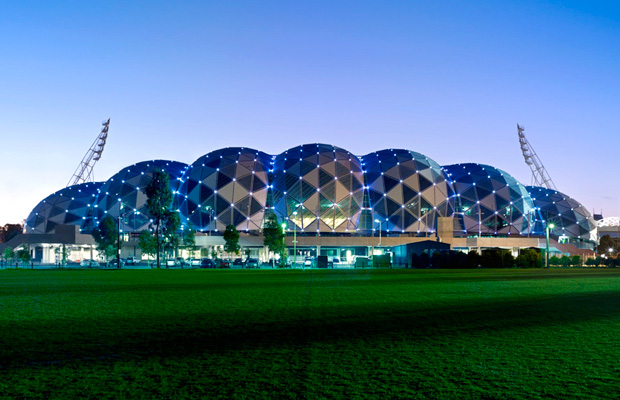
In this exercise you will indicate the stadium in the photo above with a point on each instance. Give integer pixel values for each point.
(331, 201)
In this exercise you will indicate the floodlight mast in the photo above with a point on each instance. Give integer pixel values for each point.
(84, 172)
(540, 176)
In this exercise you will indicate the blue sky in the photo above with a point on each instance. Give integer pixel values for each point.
(179, 79)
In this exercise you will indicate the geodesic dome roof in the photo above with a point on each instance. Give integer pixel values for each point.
(226, 186)
(407, 191)
(68, 206)
(318, 187)
(490, 201)
(569, 217)
(127, 187)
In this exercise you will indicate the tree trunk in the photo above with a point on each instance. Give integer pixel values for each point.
(157, 236)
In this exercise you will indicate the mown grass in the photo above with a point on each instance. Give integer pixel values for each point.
(310, 334)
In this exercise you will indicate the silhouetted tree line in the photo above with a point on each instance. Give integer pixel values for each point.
(493, 258)
(9, 231)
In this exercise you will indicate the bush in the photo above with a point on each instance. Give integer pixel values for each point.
(529, 258)
(474, 260)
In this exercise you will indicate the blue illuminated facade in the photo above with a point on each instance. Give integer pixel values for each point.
(490, 201)
(68, 206)
(321, 189)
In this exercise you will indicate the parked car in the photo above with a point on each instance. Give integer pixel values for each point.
(308, 261)
(223, 263)
(180, 261)
(207, 263)
(251, 263)
(194, 262)
(171, 262)
(89, 263)
(113, 263)
(131, 261)
(238, 261)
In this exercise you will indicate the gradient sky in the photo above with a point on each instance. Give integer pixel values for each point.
(179, 79)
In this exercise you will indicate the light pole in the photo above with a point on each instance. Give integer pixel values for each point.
(547, 227)
(379, 232)
(118, 242)
(294, 240)
(284, 231)
(210, 218)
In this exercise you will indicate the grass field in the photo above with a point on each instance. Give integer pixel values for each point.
(310, 334)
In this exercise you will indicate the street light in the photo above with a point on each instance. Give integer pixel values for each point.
(210, 218)
(295, 240)
(379, 222)
(547, 227)
(121, 215)
(284, 231)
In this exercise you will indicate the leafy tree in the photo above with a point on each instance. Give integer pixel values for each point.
(554, 260)
(158, 204)
(8, 254)
(231, 236)
(575, 261)
(605, 244)
(23, 255)
(189, 240)
(147, 243)
(106, 236)
(170, 233)
(274, 236)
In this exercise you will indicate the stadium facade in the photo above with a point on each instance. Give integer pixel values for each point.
(330, 200)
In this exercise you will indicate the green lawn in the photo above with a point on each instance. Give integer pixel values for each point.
(310, 334)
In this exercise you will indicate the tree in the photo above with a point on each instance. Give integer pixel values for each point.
(106, 236)
(8, 254)
(147, 243)
(605, 244)
(189, 240)
(231, 236)
(23, 255)
(158, 204)
(170, 235)
(273, 237)
(9, 231)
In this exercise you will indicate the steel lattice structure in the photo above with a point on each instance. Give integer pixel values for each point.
(84, 171)
(540, 176)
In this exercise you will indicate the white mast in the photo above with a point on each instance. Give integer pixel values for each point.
(540, 176)
(84, 172)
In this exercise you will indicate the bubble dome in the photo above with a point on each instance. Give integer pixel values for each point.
(407, 191)
(318, 187)
(226, 186)
(490, 201)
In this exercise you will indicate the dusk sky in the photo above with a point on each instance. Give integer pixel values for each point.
(179, 79)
